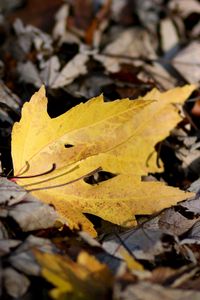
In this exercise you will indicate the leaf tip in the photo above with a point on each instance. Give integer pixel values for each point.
(39, 97)
(42, 91)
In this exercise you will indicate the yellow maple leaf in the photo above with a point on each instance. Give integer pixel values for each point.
(85, 279)
(117, 136)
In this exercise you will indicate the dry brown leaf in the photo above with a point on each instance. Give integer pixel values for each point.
(169, 35)
(185, 7)
(133, 43)
(149, 291)
(25, 209)
(16, 284)
(187, 62)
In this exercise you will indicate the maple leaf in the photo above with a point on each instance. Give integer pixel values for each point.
(85, 279)
(118, 136)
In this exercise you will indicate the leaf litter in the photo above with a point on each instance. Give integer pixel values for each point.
(160, 254)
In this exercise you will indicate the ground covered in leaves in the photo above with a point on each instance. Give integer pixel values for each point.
(79, 50)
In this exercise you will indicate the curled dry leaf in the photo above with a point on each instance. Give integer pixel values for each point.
(117, 136)
(24, 208)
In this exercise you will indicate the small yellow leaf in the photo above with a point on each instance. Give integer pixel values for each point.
(118, 136)
(131, 262)
(86, 279)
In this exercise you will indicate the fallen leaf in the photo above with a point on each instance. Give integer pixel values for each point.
(169, 35)
(29, 73)
(187, 62)
(173, 222)
(148, 12)
(185, 7)
(149, 291)
(6, 246)
(194, 233)
(9, 98)
(9, 109)
(50, 70)
(131, 43)
(175, 278)
(61, 32)
(74, 68)
(91, 135)
(143, 242)
(195, 186)
(157, 72)
(31, 36)
(146, 241)
(23, 258)
(85, 279)
(25, 209)
(16, 284)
